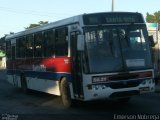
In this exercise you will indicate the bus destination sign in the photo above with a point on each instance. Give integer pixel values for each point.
(112, 18)
(126, 19)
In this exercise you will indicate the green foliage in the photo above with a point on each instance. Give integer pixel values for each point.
(2, 45)
(37, 24)
(153, 18)
(2, 53)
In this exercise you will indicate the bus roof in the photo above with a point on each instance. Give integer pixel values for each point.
(67, 21)
(48, 26)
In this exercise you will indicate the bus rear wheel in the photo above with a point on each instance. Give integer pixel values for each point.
(24, 84)
(65, 93)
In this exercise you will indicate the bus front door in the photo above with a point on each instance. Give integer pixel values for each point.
(15, 80)
(76, 67)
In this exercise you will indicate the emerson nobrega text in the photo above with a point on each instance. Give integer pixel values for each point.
(136, 117)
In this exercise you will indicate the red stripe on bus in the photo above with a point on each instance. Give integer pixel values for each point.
(61, 64)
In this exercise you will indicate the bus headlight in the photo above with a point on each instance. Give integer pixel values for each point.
(144, 82)
(148, 81)
(103, 86)
(96, 87)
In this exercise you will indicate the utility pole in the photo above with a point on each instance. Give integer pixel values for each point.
(112, 5)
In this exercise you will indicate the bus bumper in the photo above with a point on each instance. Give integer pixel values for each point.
(120, 89)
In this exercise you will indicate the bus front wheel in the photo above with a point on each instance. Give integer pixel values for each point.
(65, 93)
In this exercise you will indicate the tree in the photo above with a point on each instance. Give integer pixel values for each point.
(37, 24)
(2, 44)
(153, 18)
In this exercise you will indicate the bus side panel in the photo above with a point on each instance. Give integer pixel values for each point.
(10, 79)
(43, 85)
(13, 77)
(42, 74)
(61, 64)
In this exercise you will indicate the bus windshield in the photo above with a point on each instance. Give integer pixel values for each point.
(117, 48)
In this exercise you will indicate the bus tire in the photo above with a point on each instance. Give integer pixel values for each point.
(65, 93)
(24, 84)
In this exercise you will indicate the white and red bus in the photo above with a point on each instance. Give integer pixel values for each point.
(85, 57)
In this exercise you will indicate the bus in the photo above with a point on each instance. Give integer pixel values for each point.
(85, 57)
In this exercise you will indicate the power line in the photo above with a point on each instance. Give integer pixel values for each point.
(31, 12)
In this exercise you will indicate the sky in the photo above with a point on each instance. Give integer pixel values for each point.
(15, 15)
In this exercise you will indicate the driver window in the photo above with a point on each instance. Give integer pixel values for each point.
(136, 39)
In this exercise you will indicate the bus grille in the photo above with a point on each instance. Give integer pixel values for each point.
(124, 84)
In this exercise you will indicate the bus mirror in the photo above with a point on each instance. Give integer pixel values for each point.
(80, 43)
(151, 40)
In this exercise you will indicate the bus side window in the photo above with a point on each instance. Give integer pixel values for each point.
(20, 47)
(49, 39)
(29, 46)
(61, 42)
(38, 45)
(8, 49)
